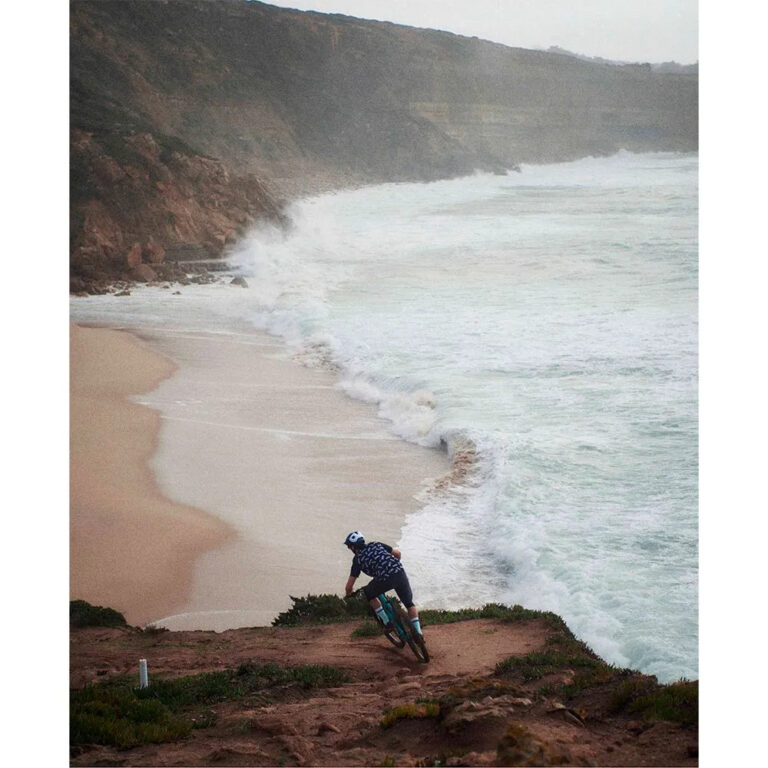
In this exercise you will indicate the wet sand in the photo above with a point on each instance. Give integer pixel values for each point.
(268, 448)
(131, 548)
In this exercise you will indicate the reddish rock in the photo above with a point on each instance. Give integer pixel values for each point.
(154, 253)
(143, 273)
(133, 257)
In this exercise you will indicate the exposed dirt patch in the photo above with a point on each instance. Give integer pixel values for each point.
(476, 718)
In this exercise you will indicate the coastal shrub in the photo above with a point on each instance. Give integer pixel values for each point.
(676, 702)
(208, 688)
(415, 711)
(630, 690)
(83, 614)
(327, 609)
(123, 716)
(152, 630)
(367, 629)
(492, 611)
(538, 664)
(115, 716)
(322, 609)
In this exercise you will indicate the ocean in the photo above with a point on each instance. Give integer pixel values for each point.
(539, 326)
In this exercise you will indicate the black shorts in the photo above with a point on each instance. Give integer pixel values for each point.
(399, 582)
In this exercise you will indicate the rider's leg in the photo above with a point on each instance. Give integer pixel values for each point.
(413, 615)
(403, 589)
(375, 603)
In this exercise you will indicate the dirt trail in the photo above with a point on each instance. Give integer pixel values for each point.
(343, 726)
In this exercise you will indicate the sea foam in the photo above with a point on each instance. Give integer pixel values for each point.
(541, 327)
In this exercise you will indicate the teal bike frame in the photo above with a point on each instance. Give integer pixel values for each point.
(394, 619)
(407, 635)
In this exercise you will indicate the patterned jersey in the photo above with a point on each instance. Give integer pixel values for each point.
(376, 560)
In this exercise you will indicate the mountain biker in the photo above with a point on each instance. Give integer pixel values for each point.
(382, 563)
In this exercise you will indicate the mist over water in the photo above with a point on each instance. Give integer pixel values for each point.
(545, 324)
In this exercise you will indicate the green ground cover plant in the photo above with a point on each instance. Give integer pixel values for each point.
(327, 609)
(492, 611)
(119, 715)
(418, 710)
(563, 651)
(642, 695)
(115, 716)
(367, 629)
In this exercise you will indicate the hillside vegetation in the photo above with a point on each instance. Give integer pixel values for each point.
(193, 119)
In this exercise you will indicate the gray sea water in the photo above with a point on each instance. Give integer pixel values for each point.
(543, 323)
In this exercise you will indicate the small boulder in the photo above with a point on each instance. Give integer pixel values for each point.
(239, 281)
(143, 273)
(154, 253)
(133, 257)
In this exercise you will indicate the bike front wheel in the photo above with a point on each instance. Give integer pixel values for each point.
(394, 638)
(392, 635)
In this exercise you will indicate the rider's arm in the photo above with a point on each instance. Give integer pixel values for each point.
(350, 585)
(396, 553)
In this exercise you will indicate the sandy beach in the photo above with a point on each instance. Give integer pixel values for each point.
(213, 477)
(130, 547)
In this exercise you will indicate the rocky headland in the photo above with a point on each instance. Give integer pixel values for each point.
(193, 119)
(504, 686)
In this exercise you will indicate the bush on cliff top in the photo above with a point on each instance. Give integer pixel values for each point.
(83, 614)
(116, 716)
(327, 609)
(677, 702)
(122, 716)
(322, 609)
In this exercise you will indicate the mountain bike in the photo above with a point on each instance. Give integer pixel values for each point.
(403, 632)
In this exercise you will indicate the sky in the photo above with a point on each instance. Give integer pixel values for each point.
(624, 30)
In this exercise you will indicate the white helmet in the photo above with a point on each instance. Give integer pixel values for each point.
(355, 539)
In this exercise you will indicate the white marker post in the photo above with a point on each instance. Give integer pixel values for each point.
(143, 674)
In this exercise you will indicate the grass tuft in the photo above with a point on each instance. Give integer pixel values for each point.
(677, 702)
(564, 651)
(367, 629)
(417, 711)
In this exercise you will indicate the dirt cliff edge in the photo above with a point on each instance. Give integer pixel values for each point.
(501, 691)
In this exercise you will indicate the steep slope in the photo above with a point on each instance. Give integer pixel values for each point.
(189, 117)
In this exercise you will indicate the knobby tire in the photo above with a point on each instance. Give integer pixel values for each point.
(394, 638)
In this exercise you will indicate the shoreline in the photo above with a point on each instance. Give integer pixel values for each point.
(131, 548)
(276, 456)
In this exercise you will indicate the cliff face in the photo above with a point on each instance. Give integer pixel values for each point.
(189, 116)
